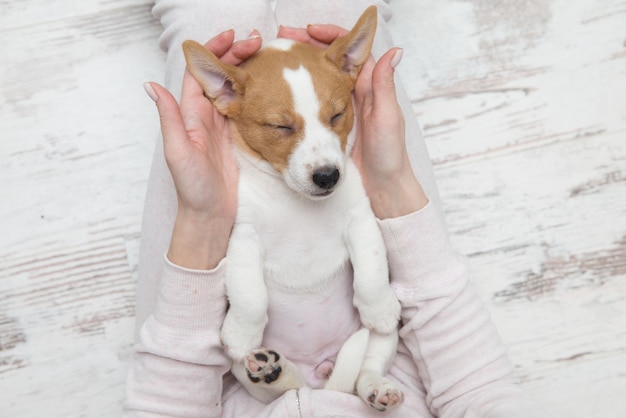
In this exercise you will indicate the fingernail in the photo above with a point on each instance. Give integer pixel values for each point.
(397, 57)
(285, 28)
(255, 34)
(148, 88)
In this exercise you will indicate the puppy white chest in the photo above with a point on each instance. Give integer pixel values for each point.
(302, 242)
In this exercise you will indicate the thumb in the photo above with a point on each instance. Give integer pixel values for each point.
(383, 85)
(172, 124)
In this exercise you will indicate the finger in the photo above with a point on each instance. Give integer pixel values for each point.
(192, 93)
(363, 102)
(363, 88)
(221, 42)
(171, 120)
(240, 51)
(300, 35)
(383, 85)
(297, 34)
(244, 49)
(326, 33)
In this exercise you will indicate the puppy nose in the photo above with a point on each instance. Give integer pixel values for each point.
(326, 177)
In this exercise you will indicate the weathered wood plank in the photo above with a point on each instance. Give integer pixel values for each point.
(77, 135)
(523, 110)
(515, 75)
(16, 14)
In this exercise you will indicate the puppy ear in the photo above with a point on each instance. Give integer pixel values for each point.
(351, 51)
(223, 84)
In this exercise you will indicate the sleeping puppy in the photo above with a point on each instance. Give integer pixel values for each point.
(305, 240)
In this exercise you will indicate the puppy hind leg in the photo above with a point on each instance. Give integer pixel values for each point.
(266, 375)
(372, 386)
(349, 362)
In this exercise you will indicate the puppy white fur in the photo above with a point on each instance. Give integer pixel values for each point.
(304, 219)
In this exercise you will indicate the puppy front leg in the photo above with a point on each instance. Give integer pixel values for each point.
(377, 304)
(372, 386)
(246, 318)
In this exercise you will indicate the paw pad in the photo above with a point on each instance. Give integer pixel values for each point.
(263, 365)
(381, 401)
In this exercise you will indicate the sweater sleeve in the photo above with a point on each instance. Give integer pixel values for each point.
(178, 363)
(460, 356)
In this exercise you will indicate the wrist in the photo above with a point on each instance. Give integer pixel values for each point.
(399, 197)
(199, 240)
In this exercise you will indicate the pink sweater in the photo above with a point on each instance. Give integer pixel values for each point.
(450, 363)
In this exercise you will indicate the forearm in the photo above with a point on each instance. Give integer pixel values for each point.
(458, 351)
(398, 197)
(199, 241)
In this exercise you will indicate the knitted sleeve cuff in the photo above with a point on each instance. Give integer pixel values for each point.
(421, 258)
(191, 300)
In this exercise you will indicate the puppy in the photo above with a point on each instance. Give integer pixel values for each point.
(305, 238)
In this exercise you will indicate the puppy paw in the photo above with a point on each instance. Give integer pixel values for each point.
(263, 366)
(266, 375)
(379, 392)
(380, 314)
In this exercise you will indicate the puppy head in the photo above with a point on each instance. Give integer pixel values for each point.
(291, 103)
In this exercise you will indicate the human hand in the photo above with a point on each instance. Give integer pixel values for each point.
(379, 150)
(198, 151)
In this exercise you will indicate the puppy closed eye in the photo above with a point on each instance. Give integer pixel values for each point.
(282, 129)
(336, 118)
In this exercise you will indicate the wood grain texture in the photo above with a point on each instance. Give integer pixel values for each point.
(523, 105)
(74, 164)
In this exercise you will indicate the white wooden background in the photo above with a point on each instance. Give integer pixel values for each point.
(523, 103)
